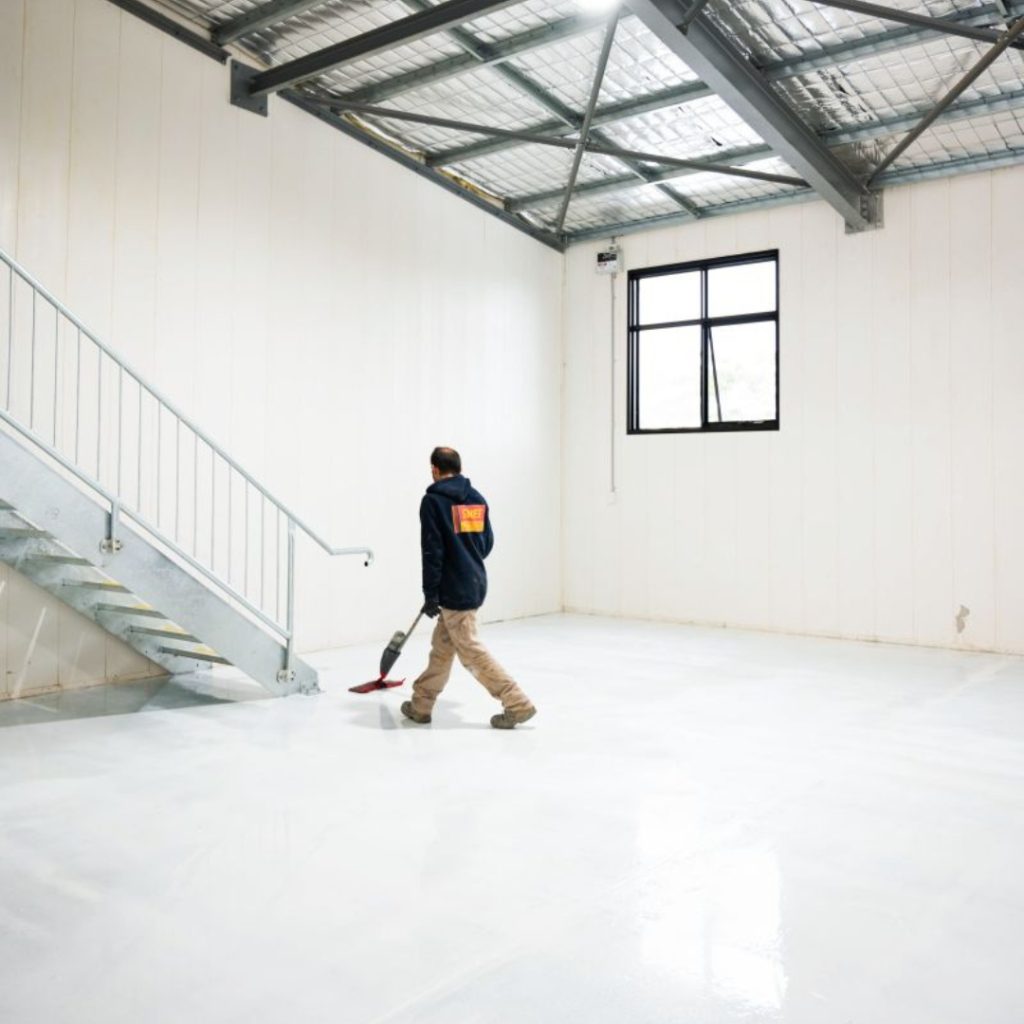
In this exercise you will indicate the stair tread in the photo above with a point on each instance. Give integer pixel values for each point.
(109, 588)
(198, 655)
(169, 634)
(127, 609)
(59, 559)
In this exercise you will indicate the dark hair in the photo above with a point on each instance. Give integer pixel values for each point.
(447, 460)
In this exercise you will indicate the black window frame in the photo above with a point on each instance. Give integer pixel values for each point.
(707, 325)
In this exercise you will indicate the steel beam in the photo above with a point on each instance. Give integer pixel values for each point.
(984, 35)
(588, 116)
(490, 54)
(597, 148)
(738, 83)
(965, 82)
(387, 37)
(260, 17)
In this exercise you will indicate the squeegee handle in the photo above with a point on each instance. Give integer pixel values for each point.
(408, 632)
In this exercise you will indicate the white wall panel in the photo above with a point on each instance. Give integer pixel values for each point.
(971, 373)
(325, 315)
(1007, 409)
(12, 33)
(892, 494)
(930, 411)
(891, 419)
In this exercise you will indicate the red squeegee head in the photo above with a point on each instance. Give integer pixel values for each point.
(376, 684)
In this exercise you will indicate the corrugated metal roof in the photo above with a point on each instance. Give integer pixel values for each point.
(858, 81)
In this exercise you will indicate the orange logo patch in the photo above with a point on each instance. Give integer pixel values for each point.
(469, 518)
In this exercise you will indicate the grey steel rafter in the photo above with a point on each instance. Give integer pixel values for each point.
(487, 55)
(708, 53)
(979, 68)
(387, 37)
(600, 149)
(588, 116)
(568, 117)
(262, 16)
(873, 45)
(984, 35)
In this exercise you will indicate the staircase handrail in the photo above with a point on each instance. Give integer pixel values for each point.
(176, 412)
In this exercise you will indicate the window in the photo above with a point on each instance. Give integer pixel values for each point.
(704, 345)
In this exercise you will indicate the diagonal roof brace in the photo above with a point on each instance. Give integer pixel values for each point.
(588, 116)
(707, 53)
(263, 16)
(947, 25)
(600, 148)
(387, 37)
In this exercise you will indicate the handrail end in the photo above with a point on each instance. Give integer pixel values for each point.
(367, 553)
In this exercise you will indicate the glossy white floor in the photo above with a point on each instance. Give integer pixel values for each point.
(699, 826)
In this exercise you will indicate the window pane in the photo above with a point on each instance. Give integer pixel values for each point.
(744, 357)
(744, 288)
(669, 298)
(669, 378)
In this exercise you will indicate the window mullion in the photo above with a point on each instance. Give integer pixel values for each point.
(714, 373)
(703, 348)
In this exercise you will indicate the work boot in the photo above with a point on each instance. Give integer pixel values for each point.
(416, 716)
(510, 719)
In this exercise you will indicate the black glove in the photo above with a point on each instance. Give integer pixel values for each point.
(431, 609)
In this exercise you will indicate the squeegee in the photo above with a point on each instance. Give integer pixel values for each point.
(387, 661)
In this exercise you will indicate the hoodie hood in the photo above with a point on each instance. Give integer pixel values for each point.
(456, 488)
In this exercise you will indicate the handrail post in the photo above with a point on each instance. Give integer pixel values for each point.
(110, 545)
(287, 674)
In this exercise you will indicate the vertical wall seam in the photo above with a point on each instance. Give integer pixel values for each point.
(70, 151)
(20, 157)
(994, 576)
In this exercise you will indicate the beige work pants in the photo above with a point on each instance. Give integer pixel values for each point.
(455, 634)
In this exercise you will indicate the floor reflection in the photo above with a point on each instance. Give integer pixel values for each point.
(128, 698)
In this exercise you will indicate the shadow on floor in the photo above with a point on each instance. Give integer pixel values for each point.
(384, 714)
(127, 698)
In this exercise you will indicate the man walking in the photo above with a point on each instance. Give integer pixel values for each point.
(456, 537)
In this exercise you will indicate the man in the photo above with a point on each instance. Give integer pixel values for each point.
(456, 537)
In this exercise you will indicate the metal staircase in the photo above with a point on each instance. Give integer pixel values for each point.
(116, 503)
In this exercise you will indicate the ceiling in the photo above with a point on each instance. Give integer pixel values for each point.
(786, 98)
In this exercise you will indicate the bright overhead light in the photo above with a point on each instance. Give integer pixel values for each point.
(597, 6)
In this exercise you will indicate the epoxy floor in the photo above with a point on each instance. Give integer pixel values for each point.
(699, 826)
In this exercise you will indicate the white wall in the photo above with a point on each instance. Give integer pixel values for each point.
(323, 313)
(893, 492)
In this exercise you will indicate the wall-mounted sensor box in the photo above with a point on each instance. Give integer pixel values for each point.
(609, 261)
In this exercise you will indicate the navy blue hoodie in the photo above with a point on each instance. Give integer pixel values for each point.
(456, 537)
